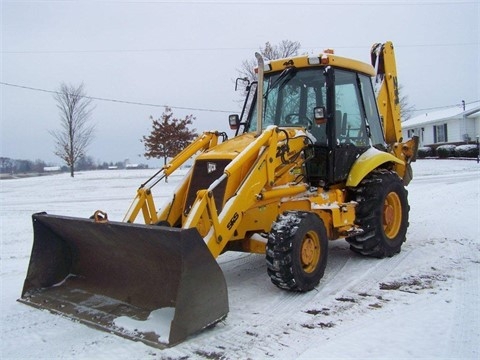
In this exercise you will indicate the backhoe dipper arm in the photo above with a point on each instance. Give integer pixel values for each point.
(144, 200)
(388, 101)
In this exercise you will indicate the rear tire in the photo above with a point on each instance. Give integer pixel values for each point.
(297, 251)
(382, 213)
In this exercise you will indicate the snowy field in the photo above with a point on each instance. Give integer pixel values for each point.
(422, 303)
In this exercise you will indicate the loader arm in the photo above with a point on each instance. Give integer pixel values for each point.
(260, 180)
(143, 201)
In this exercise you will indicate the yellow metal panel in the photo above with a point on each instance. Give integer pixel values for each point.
(350, 64)
(367, 162)
(327, 59)
(256, 246)
(229, 149)
(343, 215)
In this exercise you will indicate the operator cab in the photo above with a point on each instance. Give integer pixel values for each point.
(336, 106)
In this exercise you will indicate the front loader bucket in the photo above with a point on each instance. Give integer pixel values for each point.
(153, 284)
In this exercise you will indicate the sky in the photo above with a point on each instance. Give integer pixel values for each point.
(142, 55)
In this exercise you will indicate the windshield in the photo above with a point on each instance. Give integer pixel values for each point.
(290, 97)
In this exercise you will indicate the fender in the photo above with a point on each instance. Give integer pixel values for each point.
(367, 162)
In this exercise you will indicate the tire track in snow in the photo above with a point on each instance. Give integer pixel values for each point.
(247, 275)
(285, 309)
(352, 290)
(461, 262)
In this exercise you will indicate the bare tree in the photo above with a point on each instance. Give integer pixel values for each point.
(406, 109)
(284, 49)
(75, 134)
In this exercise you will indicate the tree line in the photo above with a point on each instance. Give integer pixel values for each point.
(21, 166)
(15, 166)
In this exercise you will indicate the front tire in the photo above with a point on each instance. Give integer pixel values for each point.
(382, 214)
(297, 251)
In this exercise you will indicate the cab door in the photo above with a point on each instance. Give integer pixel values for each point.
(349, 133)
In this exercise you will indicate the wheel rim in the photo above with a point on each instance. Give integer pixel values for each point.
(392, 215)
(310, 255)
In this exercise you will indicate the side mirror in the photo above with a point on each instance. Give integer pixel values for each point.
(319, 114)
(233, 121)
(243, 80)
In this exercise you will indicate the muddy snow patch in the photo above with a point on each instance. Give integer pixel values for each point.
(414, 284)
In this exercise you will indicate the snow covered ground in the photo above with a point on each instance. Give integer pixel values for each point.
(422, 303)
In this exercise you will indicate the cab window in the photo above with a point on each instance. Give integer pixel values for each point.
(350, 125)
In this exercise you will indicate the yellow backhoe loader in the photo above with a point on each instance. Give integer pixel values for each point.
(317, 155)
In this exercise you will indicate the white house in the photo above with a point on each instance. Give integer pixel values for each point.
(455, 125)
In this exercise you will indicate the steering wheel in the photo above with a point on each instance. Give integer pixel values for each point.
(301, 120)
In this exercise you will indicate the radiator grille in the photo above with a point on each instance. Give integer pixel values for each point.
(205, 172)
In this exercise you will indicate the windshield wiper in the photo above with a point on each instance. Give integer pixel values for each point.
(285, 75)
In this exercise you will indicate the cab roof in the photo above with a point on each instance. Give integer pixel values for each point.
(323, 59)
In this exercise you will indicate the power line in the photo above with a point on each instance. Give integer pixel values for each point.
(188, 108)
(446, 106)
(120, 101)
(95, 51)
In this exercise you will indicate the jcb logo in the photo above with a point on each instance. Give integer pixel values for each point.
(211, 167)
(232, 221)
